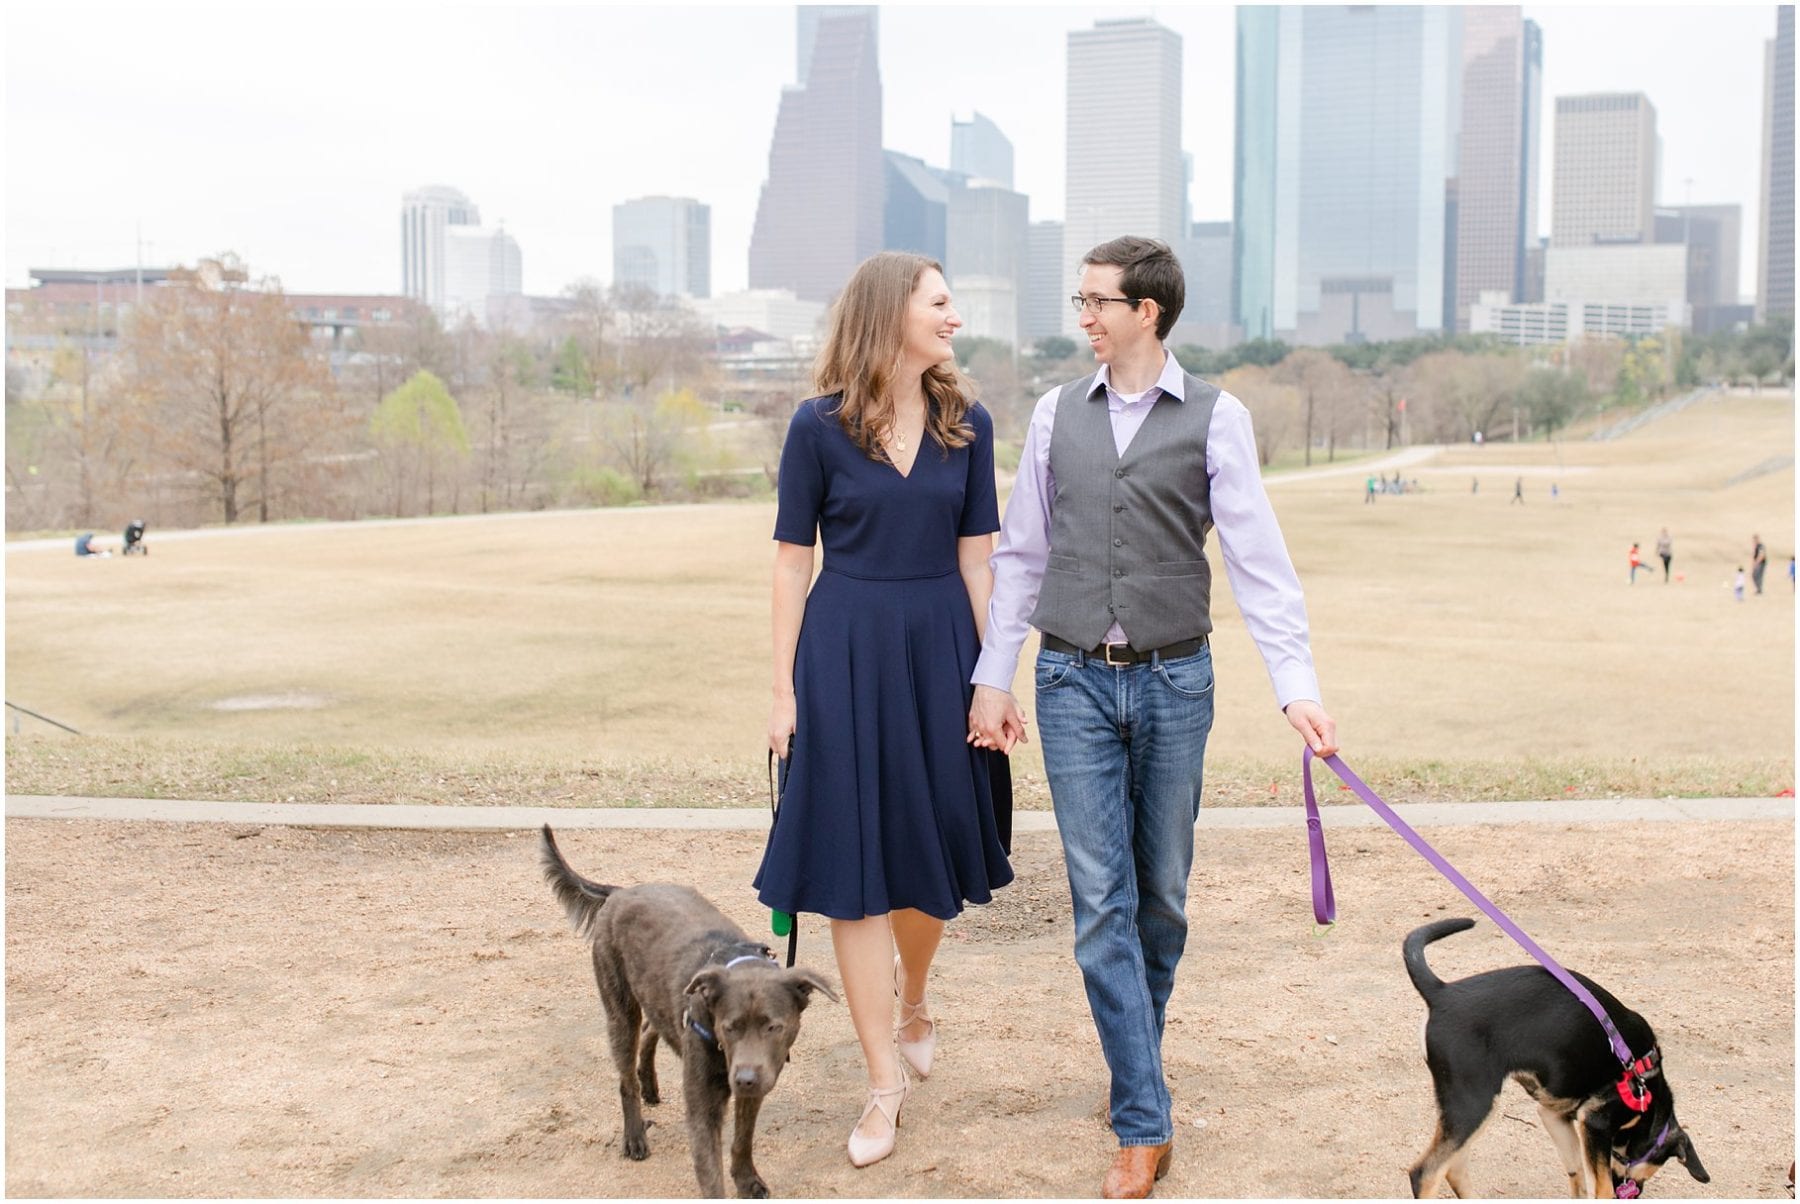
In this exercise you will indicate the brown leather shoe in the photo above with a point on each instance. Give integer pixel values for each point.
(1135, 1170)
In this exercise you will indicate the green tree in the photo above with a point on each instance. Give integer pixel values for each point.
(1552, 397)
(1641, 371)
(570, 373)
(415, 426)
(1053, 347)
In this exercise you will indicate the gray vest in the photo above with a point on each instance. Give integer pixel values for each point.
(1128, 535)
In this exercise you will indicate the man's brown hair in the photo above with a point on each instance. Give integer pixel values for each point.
(1151, 272)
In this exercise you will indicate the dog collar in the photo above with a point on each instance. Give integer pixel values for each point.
(764, 956)
(704, 1033)
(1633, 1085)
(1628, 1188)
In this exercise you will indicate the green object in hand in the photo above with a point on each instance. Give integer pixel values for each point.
(782, 922)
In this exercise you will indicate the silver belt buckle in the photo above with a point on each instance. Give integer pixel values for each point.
(1109, 655)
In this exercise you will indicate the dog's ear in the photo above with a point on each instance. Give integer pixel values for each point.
(706, 987)
(804, 982)
(1684, 1150)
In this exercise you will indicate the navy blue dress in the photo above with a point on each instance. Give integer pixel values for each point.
(886, 806)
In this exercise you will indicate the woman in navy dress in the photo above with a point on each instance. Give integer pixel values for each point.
(886, 823)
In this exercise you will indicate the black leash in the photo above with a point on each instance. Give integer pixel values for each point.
(782, 923)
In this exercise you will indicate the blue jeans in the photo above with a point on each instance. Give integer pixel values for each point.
(1123, 751)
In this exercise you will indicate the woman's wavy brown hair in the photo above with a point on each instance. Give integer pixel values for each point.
(861, 357)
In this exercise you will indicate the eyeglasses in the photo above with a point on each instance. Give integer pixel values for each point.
(1094, 305)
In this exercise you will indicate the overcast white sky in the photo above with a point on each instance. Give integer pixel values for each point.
(288, 133)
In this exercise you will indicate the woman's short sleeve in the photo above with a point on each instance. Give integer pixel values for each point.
(800, 489)
(981, 504)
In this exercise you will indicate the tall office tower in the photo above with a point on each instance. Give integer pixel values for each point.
(986, 250)
(980, 151)
(915, 205)
(1604, 189)
(1122, 141)
(1341, 224)
(1531, 136)
(480, 267)
(425, 213)
(1775, 241)
(663, 243)
(820, 213)
(1493, 158)
(1042, 307)
(806, 31)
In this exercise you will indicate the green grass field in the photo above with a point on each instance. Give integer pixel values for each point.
(1469, 647)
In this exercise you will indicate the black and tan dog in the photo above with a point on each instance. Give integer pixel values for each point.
(1520, 1022)
(670, 965)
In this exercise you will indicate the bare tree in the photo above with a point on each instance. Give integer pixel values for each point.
(222, 371)
(1323, 385)
(511, 421)
(1273, 404)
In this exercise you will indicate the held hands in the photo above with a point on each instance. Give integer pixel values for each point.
(782, 713)
(995, 720)
(1317, 728)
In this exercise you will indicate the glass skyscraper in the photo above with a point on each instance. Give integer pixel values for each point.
(1775, 242)
(1346, 154)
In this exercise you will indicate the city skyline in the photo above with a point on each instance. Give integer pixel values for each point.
(308, 191)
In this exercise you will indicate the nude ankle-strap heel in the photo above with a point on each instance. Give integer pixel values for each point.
(865, 1151)
(918, 1054)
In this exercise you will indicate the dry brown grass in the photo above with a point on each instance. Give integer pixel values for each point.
(1469, 648)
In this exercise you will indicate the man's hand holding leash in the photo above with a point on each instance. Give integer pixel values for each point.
(1318, 729)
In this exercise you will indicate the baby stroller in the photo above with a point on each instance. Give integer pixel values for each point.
(134, 539)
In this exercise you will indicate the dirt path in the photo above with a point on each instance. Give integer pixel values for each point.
(210, 1010)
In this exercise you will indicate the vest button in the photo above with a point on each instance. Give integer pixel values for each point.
(1118, 543)
(1118, 472)
(1118, 572)
(1118, 509)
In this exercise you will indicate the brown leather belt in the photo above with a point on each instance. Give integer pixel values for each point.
(1125, 654)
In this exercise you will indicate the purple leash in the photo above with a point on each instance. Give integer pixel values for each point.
(1325, 905)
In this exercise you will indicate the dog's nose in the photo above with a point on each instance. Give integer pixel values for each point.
(745, 1079)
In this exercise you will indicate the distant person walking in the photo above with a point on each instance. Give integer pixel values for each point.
(1474, 485)
(1518, 491)
(1759, 562)
(1665, 548)
(1737, 586)
(1369, 490)
(1637, 562)
(1790, 572)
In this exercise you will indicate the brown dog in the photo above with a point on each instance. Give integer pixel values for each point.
(670, 965)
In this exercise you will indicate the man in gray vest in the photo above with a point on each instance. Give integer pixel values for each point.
(1103, 550)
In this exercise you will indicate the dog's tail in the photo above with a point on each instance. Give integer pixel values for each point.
(580, 898)
(1424, 981)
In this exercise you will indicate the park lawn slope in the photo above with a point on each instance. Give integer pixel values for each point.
(1469, 647)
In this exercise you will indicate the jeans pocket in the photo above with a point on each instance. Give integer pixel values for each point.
(1052, 670)
(1189, 677)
